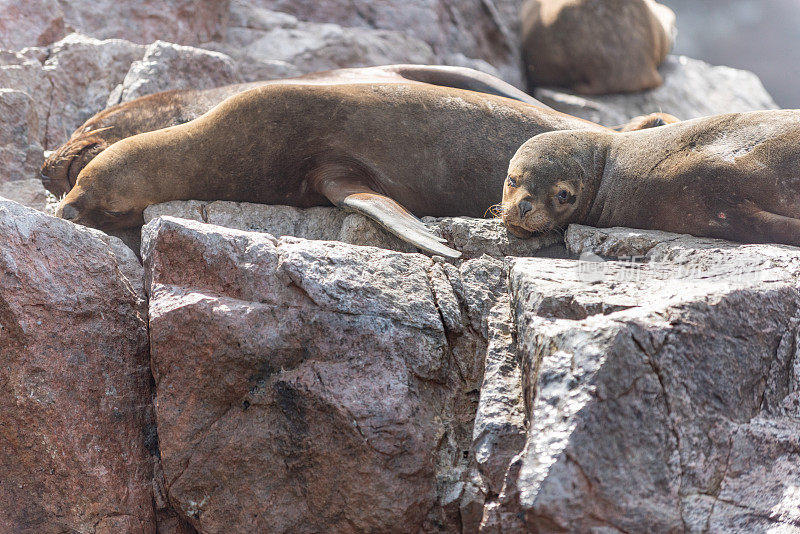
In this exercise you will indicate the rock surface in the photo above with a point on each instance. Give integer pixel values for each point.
(331, 385)
(653, 388)
(75, 417)
(691, 89)
(473, 237)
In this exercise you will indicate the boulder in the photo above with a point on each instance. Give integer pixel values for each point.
(332, 387)
(167, 66)
(473, 237)
(485, 30)
(258, 38)
(21, 155)
(691, 89)
(76, 420)
(43, 22)
(661, 394)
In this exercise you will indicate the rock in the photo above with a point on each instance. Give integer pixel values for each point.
(257, 38)
(83, 71)
(485, 30)
(322, 395)
(23, 72)
(661, 395)
(75, 393)
(691, 89)
(30, 23)
(473, 237)
(42, 22)
(166, 66)
(21, 155)
(30, 193)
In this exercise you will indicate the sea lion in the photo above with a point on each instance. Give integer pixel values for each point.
(643, 122)
(596, 46)
(734, 176)
(384, 150)
(170, 108)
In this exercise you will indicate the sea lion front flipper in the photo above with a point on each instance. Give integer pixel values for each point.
(397, 220)
(349, 193)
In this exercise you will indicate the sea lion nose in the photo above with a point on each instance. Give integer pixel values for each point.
(68, 212)
(524, 208)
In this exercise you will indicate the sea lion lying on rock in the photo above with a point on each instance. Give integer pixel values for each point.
(596, 46)
(170, 108)
(384, 150)
(734, 176)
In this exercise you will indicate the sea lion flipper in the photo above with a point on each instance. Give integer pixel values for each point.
(397, 220)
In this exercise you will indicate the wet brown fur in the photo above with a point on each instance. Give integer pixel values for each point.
(596, 46)
(170, 108)
(437, 151)
(734, 176)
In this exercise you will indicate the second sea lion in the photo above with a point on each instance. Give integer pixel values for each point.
(596, 46)
(734, 176)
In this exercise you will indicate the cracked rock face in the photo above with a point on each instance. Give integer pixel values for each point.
(332, 387)
(76, 427)
(661, 396)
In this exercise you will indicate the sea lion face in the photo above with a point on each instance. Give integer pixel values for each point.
(544, 188)
(107, 197)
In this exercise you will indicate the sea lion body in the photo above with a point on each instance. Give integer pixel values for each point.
(596, 46)
(170, 108)
(734, 176)
(379, 149)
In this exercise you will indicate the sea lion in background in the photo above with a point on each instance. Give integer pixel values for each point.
(734, 176)
(383, 150)
(596, 46)
(170, 108)
(643, 122)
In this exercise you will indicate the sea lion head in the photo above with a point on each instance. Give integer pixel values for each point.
(110, 193)
(60, 169)
(551, 182)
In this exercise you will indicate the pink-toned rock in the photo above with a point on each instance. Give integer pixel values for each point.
(481, 29)
(42, 22)
(167, 66)
(75, 418)
(21, 154)
(307, 386)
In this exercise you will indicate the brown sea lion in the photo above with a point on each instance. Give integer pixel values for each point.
(734, 176)
(170, 108)
(643, 122)
(384, 150)
(596, 46)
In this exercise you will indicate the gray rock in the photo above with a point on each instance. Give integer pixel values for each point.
(645, 383)
(473, 237)
(323, 382)
(691, 89)
(21, 155)
(30, 193)
(167, 66)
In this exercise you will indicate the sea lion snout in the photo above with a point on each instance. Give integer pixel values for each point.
(524, 208)
(68, 212)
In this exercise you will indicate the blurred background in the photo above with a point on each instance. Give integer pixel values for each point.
(758, 35)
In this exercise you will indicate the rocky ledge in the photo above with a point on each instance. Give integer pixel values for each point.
(641, 381)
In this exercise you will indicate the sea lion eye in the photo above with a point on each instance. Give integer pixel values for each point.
(564, 197)
(511, 182)
(114, 214)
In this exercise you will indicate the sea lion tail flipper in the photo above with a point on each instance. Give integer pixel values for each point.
(397, 220)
